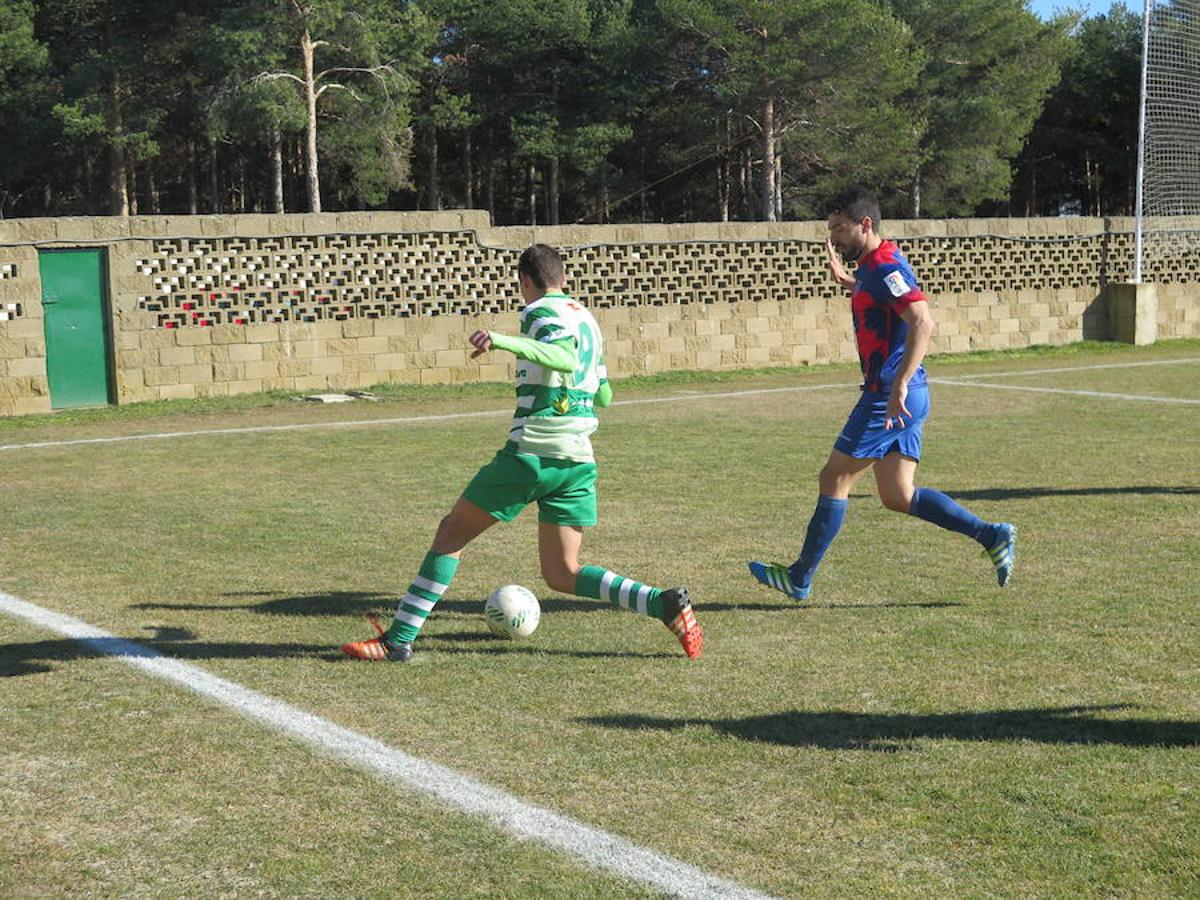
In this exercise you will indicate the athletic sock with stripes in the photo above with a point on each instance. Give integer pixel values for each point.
(600, 584)
(423, 594)
(823, 527)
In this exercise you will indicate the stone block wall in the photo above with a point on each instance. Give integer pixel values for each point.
(214, 305)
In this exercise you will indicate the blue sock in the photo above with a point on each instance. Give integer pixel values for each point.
(822, 529)
(934, 506)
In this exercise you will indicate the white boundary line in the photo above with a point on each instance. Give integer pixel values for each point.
(1040, 390)
(672, 398)
(403, 420)
(1059, 371)
(597, 849)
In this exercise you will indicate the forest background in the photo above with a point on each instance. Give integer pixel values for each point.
(585, 111)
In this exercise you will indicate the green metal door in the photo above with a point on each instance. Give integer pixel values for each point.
(77, 351)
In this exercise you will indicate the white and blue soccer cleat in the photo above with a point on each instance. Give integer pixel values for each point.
(1003, 553)
(776, 575)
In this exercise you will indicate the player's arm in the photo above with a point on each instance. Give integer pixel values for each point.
(921, 327)
(604, 392)
(561, 356)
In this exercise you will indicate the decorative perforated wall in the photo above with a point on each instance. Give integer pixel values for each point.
(8, 310)
(240, 281)
(208, 305)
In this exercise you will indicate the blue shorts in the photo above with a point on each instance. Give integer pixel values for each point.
(865, 437)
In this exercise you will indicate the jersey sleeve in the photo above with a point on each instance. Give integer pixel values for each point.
(561, 356)
(896, 286)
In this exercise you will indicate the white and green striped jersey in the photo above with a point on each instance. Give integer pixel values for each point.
(556, 413)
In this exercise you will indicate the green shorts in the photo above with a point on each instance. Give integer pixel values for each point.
(565, 490)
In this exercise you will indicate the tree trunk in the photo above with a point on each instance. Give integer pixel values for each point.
(916, 194)
(778, 185)
(117, 162)
(723, 191)
(88, 183)
(469, 173)
(276, 169)
(435, 189)
(604, 213)
(744, 183)
(490, 187)
(193, 194)
(769, 212)
(307, 51)
(531, 192)
(239, 172)
(214, 179)
(724, 187)
(552, 192)
(152, 191)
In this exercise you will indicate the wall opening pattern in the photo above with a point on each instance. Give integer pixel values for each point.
(339, 277)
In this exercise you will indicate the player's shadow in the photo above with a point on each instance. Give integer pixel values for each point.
(326, 603)
(892, 732)
(36, 657)
(177, 643)
(1027, 493)
(351, 603)
(486, 642)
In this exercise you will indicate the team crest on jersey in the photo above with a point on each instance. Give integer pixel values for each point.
(562, 404)
(896, 284)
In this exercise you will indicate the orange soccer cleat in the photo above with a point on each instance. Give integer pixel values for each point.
(378, 647)
(678, 616)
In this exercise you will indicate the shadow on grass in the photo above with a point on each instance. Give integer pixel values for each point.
(892, 732)
(39, 656)
(503, 646)
(179, 643)
(1027, 493)
(350, 603)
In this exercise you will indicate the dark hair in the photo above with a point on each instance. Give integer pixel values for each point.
(542, 264)
(855, 203)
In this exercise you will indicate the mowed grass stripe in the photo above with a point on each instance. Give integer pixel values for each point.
(591, 845)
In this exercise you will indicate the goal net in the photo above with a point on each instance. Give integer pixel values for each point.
(1169, 219)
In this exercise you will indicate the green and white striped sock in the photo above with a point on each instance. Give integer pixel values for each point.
(423, 594)
(599, 583)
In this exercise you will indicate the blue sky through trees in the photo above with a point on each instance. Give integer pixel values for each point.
(1046, 8)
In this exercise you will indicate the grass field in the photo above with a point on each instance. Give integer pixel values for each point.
(912, 731)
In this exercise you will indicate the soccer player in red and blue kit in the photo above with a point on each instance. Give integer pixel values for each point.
(892, 327)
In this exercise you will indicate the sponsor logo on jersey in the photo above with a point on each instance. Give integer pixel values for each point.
(896, 284)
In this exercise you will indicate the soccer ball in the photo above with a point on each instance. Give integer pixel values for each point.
(512, 612)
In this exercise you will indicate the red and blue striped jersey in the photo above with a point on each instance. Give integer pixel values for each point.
(884, 286)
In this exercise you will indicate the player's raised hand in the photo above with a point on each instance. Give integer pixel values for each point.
(481, 341)
(834, 260)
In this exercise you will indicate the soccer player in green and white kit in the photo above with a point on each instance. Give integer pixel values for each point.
(561, 378)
